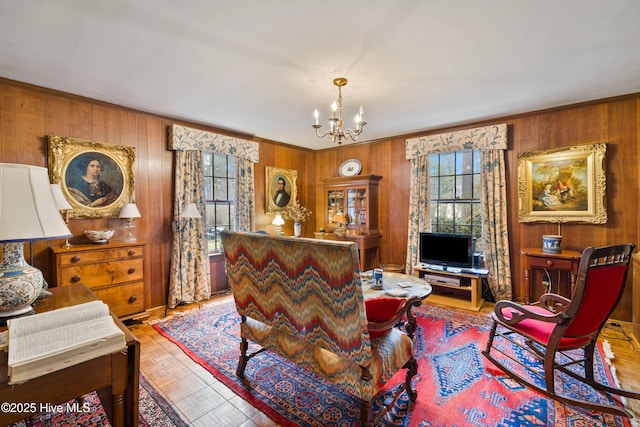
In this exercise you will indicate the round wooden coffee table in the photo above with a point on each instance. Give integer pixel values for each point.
(395, 285)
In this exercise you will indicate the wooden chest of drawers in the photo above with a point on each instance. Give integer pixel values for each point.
(114, 272)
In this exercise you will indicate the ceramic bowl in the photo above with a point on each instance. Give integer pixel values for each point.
(99, 236)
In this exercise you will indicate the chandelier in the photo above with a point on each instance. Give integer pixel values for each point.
(335, 131)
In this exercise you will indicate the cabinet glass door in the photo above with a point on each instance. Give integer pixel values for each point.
(357, 206)
(335, 203)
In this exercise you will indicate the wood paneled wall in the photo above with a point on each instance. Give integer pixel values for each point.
(615, 121)
(28, 114)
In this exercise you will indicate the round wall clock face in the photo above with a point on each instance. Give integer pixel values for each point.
(350, 167)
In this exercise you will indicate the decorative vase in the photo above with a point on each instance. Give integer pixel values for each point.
(551, 243)
(297, 227)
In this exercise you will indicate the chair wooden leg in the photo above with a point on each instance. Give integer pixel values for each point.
(588, 361)
(365, 413)
(412, 370)
(492, 334)
(242, 362)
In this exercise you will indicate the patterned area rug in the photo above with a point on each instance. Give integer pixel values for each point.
(456, 384)
(154, 411)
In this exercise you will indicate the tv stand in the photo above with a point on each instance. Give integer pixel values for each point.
(466, 295)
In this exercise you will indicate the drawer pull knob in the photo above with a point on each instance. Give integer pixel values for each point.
(132, 299)
(131, 252)
(75, 279)
(549, 262)
(75, 258)
(131, 270)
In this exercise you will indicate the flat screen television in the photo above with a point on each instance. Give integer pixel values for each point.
(446, 250)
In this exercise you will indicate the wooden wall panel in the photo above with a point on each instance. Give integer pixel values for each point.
(28, 114)
(612, 121)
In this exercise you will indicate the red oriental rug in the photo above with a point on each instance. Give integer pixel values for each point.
(154, 411)
(456, 385)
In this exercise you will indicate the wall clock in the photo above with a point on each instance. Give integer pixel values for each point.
(350, 167)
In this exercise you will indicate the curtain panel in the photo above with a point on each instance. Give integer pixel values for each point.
(190, 279)
(491, 141)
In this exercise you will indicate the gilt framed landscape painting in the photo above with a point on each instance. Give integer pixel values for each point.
(95, 178)
(562, 185)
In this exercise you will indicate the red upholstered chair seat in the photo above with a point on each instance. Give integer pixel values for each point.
(541, 331)
(381, 310)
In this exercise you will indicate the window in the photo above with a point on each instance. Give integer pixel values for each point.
(220, 196)
(455, 194)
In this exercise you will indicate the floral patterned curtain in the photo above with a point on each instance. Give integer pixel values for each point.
(190, 279)
(491, 141)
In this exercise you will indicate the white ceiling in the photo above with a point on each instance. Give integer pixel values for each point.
(262, 66)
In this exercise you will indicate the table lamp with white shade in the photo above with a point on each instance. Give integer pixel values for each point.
(130, 211)
(28, 213)
(278, 221)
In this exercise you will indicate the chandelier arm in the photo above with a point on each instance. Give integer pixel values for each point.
(352, 134)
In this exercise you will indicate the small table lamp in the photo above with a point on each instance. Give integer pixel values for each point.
(62, 205)
(129, 211)
(342, 222)
(27, 213)
(278, 222)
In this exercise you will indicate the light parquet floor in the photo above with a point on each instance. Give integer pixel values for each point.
(204, 401)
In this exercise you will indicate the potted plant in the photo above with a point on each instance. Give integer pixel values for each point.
(298, 214)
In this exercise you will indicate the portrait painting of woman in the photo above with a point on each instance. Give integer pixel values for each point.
(94, 180)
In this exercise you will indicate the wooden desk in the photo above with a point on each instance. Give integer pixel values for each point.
(113, 376)
(567, 261)
(368, 247)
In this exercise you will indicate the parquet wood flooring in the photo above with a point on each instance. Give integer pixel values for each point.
(204, 401)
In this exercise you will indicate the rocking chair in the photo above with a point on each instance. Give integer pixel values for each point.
(562, 333)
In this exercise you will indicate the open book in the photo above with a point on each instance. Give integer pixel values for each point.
(54, 340)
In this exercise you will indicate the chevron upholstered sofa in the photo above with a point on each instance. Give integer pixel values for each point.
(302, 298)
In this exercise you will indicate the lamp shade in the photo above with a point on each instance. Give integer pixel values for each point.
(61, 201)
(278, 220)
(190, 211)
(130, 210)
(28, 209)
(339, 219)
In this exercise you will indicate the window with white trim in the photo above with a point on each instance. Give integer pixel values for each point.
(220, 196)
(455, 194)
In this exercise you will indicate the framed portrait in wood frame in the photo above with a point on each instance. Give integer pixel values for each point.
(281, 188)
(96, 178)
(562, 185)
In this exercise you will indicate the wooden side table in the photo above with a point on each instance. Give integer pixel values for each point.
(568, 261)
(115, 377)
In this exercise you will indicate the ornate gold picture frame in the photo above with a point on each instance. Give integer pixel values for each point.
(563, 185)
(96, 178)
(281, 188)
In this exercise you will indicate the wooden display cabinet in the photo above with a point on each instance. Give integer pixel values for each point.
(357, 198)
